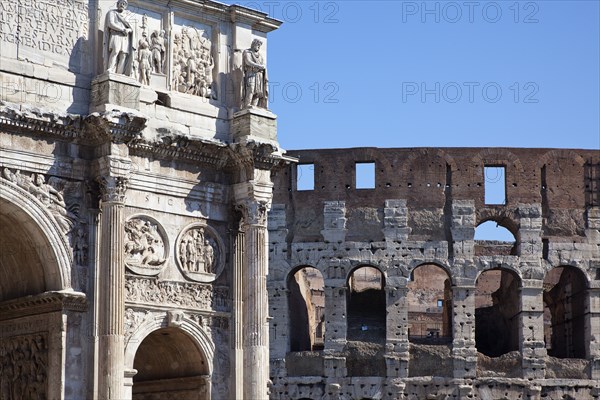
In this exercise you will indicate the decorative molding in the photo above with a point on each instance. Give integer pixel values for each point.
(95, 128)
(192, 296)
(181, 147)
(43, 303)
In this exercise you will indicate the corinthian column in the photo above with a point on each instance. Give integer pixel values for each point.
(254, 298)
(111, 286)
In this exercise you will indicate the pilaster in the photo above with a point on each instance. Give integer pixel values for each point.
(335, 315)
(397, 344)
(255, 341)
(464, 352)
(463, 229)
(592, 329)
(111, 276)
(531, 334)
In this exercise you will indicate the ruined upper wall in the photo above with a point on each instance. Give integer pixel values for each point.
(564, 182)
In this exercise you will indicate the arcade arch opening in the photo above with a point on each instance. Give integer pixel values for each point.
(170, 365)
(306, 302)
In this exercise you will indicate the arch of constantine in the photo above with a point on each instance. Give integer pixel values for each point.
(156, 242)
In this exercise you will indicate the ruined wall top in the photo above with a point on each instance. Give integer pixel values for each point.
(565, 183)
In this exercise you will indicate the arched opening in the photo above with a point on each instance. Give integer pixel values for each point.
(497, 308)
(31, 362)
(28, 265)
(429, 305)
(429, 301)
(306, 304)
(366, 305)
(170, 365)
(493, 238)
(564, 323)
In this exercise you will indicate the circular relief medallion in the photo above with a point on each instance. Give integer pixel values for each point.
(200, 253)
(145, 246)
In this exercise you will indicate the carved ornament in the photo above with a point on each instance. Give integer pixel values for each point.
(200, 253)
(146, 248)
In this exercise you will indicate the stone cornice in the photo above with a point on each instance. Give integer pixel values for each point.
(33, 120)
(124, 127)
(185, 148)
(258, 20)
(42, 304)
(116, 127)
(263, 155)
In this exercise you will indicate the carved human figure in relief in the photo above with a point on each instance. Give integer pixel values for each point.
(145, 62)
(157, 47)
(193, 63)
(196, 252)
(119, 43)
(47, 194)
(255, 90)
(143, 245)
(209, 256)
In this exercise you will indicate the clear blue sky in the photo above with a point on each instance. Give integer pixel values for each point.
(414, 73)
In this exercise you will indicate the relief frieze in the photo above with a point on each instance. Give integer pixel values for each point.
(23, 367)
(178, 294)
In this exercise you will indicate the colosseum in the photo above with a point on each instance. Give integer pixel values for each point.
(156, 242)
(382, 292)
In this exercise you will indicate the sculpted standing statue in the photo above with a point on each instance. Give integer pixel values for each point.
(119, 43)
(255, 90)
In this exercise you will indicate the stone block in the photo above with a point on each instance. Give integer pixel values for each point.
(254, 123)
(114, 90)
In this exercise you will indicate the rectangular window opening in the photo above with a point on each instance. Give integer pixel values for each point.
(440, 303)
(494, 184)
(305, 177)
(365, 175)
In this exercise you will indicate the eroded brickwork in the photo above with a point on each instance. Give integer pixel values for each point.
(424, 210)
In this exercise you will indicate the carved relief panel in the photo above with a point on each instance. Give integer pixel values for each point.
(165, 52)
(200, 253)
(23, 367)
(193, 63)
(146, 246)
(151, 41)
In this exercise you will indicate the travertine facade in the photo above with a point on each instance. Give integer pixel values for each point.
(460, 318)
(134, 190)
(153, 242)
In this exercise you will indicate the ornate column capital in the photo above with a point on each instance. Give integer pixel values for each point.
(254, 213)
(113, 188)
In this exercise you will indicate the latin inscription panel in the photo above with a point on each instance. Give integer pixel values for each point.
(50, 26)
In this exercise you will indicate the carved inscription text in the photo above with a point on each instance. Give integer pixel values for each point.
(52, 26)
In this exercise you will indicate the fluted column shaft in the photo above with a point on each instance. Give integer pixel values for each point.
(253, 199)
(111, 276)
(255, 305)
(239, 252)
